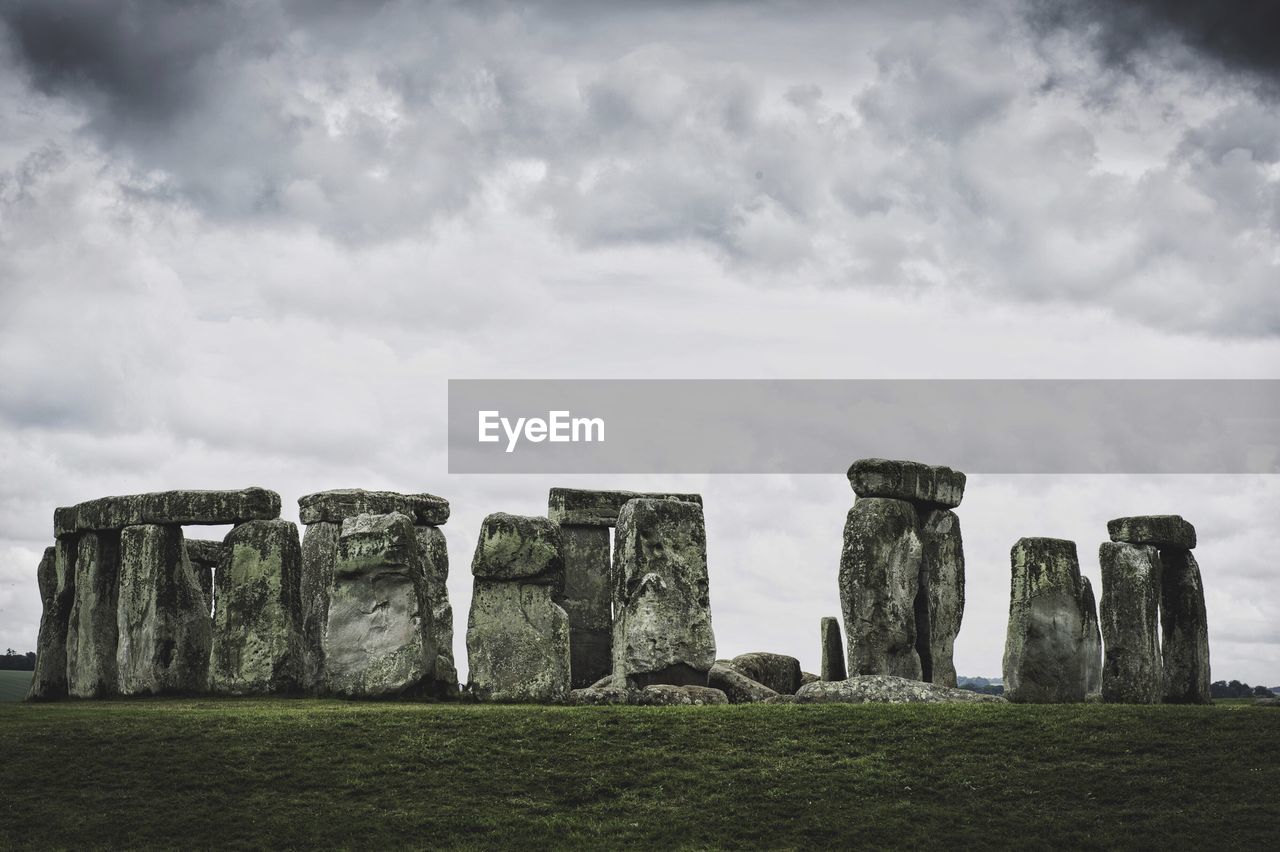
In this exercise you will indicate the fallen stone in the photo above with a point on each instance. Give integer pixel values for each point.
(1091, 639)
(336, 506)
(907, 480)
(885, 689)
(435, 553)
(940, 609)
(587, 508)
(778, 672)
(91, 628)
(662, 609)
(377, 640)
(832, 650)
(809, 677)
(1044, 659)
(205, 555)
(667, 695)
(1160, 530)
(1184, 638)
(319, 554)
(519, 547)
(168, 507)
(257, 642)
(595, 696)
(165, 631)
(879, 578)
(588, 601)
(739, 688)
(517, 643)
(700, 695)
(1132, 672)
(56, 579)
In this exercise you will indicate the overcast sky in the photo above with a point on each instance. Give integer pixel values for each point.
(248, 243)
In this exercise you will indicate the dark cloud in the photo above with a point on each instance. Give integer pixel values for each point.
(1240, 35)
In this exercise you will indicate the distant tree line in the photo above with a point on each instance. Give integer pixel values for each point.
(1236, 689)
(12, 661)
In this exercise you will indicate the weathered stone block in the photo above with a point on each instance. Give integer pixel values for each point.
(1184, 629)
(257, 642)
(737, 686)
(1091, 639)
(1160, 530)
(884, 689)
(832, 650)
(168, 507)
(940, 609)
(907, 480)
(378, 640)
(662, 608)
(779, 672)
(165, 630)
(319, 553)
(56, 578)
(517, 643)
(1132, 672)
(588, 601)
(1044, 658)
(587, 508)
(336, 506)
(91, 630)
(435, 554)
(668, 695)
(596, 696)
(879, 579)
(519, 547)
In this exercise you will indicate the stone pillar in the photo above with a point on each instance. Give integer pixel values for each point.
(91, 631)
(435, 555)
(378, 639)
(942, 581)
(319, 553)
(662, 610)
(56, 578)
(1044, 655)
(257, 643)
(832, 650)
(588, 602)
(1091, 640)
(1132, 672)
(517, 637)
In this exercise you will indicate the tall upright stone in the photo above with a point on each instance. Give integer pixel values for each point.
(1091, 639)
(588, 601)
(378, 640)
(879, 578)
(517, 637)
(319, 553)
(163, 620)
(435, 555)
(91, 631)
(939, 609)
(257, 643)
(1184, 638)
(832, 650)
(662, 610)
(1132, 671)
(1044, 655)
(56, 579)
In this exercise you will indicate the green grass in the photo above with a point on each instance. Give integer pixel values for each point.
(327, 773)
(13, 685)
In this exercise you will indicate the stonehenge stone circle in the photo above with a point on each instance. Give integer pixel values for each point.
(662, 630)
(739, 688)
(378, 640)
(1091, 639)
(1132, 670)
(162, 615)
(832, 650)
(517, 637)
(778, 672)
(1044, 654)
(91, 631)
(49, 680)
(257, 642)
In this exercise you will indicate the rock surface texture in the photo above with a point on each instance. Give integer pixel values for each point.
(778, 672)
(168, 507)
(832, 650)
(337, 505)
(1184, 638)
(1091, 639)
(1158, 530)
(319, 555)
(738, 687)
(91, 630)
(205, 556)
(587, 599)
(435, 556)
(56, 579)
(1132, 671)
(1044, 655)
(907, 480)
(586, 508)
(662, 609)
(940, 604)
(885, 689)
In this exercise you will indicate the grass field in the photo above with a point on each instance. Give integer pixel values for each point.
(13, 685)
(303, 773)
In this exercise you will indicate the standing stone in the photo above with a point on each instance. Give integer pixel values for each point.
(832, 650)
(257, 646)
(588, 601)
(778, 672)
(517, 637)
(1132, 672)
(1044, 659)
(57, 592)
(205, 556)
(1091, 639)
(319, 553)
(1184, 629)
(435, 556)
(91, 631)
(378, 640)
(940, 608)
(879, 579)
(163, 620)
(662, 608)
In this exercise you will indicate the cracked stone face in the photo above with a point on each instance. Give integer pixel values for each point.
(1132, 670)
(1044, 655)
